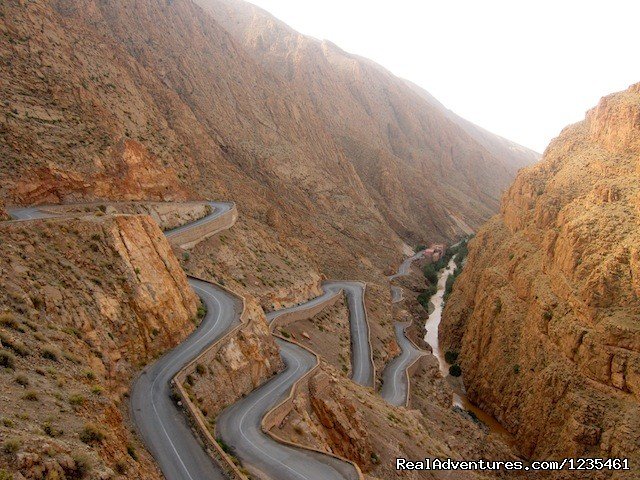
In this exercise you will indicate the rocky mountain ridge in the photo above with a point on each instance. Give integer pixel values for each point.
(419, 162)
(545, 313)
(161, 101)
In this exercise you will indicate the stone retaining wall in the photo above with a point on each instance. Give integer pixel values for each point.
(212, 447)
(191, 237)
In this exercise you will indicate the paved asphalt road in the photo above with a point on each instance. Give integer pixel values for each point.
(361, 363)
(240, 427)
(396, 294)
(219, 208)
(362, 369)
(405, 266)
(395, 387)
(160, 423)
(27, 213)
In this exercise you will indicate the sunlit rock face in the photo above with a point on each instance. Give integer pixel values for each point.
(546, 314)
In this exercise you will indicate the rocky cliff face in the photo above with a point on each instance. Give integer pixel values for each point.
(3, 213)
(84, 303)
(158, 100)
(244, 362)
(419, 162)
(546, 311)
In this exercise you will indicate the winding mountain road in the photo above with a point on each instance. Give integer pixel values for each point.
(395, 381)
(395, 384)
(240, 427)
(405, 266)
(163, 426)
(362, 367)
(218, 209)
(240, 424)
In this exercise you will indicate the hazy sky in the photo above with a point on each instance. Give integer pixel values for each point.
(522, 69)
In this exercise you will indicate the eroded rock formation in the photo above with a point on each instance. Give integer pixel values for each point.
(546, 312)
(84, 303)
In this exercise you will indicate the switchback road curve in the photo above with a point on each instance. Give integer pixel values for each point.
(162, 426)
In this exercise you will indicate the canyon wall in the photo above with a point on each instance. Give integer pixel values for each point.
(84, 304)
(546, 312)
(417, 161)
(156, 100)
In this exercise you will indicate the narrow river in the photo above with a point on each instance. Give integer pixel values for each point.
(459, 396)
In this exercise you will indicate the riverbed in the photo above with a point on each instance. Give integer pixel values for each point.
(459, 396)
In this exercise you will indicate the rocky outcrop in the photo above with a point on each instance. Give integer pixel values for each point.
(84, 303)
(129, 172)
(545, 313)
(344, 427)
(243, 362)
(3, 213)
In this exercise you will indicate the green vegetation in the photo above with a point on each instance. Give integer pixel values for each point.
(431, 270)
(31, 395)
(121, 467)
(451, 357)
(76, 400)
(225, 448)
(17, 347)
(497, 306)
(448, 286)
(8, 319)
(81, 467)
(97, 390)
(430, 273)
(285, 334)
(50, 354)
(11, 446)
(131, 450)
(426, 295)
(7, 360)
(50, 430)
(91, 434)
(202, 311)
